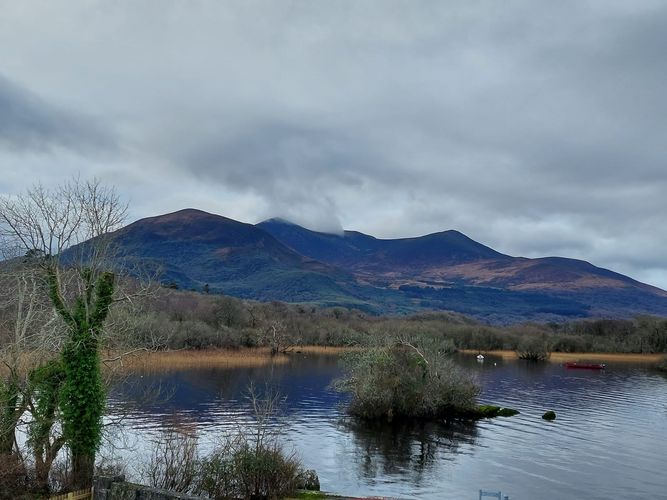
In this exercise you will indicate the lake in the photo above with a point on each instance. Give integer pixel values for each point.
(609, 439)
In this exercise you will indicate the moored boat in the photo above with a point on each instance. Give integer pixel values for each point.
(585, 366)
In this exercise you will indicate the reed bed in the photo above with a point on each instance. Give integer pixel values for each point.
(206, 358)
(323, 350)
(181, 359)
(561, 357)
(23, 362)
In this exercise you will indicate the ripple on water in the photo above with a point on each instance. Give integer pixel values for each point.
(607, 441)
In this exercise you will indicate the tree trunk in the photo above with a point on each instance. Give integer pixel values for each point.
(41, 474)
(9, 416)
(83, 468)
(6, 438)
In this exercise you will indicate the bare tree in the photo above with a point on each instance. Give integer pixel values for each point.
(277, 336)
(29, 336)
(173, 464)
(65, 232)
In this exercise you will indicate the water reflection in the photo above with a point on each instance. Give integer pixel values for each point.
(405, 448)
(608, 439)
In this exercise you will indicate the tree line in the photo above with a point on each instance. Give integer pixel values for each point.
(190, 320)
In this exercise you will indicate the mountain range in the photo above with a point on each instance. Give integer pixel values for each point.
(279, 260)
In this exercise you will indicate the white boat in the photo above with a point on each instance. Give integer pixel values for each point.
(480, 357)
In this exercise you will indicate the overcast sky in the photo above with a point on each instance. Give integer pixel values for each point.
(537, 128)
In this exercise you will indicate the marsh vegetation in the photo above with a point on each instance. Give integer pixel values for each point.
(404, 380)
(248, 462)
(662, 365)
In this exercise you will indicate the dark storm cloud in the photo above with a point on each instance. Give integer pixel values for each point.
(28, 123)
(537, 128)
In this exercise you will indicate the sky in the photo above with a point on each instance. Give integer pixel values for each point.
(535, 127)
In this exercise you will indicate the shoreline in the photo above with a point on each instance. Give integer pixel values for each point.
(249, 357)
(560, 357)
(243, 357)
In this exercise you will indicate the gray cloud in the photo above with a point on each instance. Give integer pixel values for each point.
(28, 123)
(537, 128)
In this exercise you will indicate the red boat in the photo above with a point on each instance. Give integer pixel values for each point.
(585, 366)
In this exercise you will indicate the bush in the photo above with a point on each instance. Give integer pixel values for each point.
(266, 471)
(195, 335)
(252, 463)
(571, 344)
(242, 470)
(400, 381)
(14, 480)
(533, 349)
(247, 465)
(662, 366)
(216, 476)
(173, 464)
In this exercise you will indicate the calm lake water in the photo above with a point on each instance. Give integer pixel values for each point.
(609, 440)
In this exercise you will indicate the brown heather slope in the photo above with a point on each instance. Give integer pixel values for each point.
(445, 258)
(450, 270)
(545, 274)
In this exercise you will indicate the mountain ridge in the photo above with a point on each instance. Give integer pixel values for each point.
(192, 248)
(279, 260)
(482, 264)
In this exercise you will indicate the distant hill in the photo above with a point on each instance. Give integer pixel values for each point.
(450, 270)
(278, 260)
(191, 249)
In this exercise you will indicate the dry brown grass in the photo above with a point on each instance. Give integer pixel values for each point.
(24, 362)
(234, 358)
(561, 357)
(176, 360)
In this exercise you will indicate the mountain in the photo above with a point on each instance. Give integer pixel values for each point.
(191, 248)
(450, 270)
(363, 253)
(278, 260)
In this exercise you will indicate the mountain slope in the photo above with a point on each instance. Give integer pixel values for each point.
(192, 248)
(277, 260)
(359, 252)
(450, 270)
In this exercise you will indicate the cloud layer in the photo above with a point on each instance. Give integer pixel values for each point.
(537, 128)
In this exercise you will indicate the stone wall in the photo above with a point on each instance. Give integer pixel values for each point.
(116, 488)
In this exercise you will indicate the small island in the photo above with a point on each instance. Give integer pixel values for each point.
(405, 380)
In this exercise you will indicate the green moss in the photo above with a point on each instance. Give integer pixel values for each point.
(508, 412)
(303, 494)
(550, 415)
(491, 411)
(488, 411)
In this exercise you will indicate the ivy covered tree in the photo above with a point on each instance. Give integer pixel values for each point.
(28, 335)
(65, 231)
